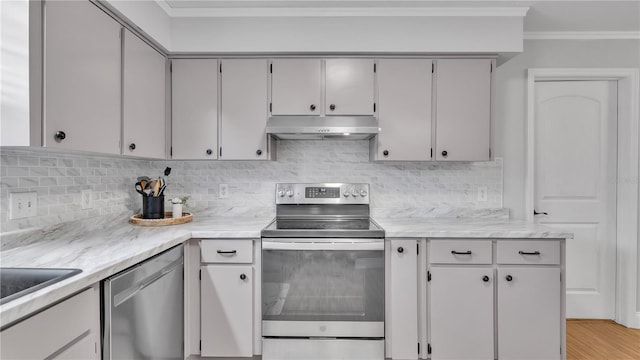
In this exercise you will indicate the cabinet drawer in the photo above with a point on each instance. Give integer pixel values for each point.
(227, 251)
(460, 252)
(528, 252)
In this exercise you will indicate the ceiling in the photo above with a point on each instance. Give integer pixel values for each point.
(542, 16)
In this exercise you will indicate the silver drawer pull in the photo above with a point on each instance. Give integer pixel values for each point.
(228, 252)
(529, 253)
(468, 252)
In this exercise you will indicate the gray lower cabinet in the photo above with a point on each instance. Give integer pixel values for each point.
(226, 298)
(67, 330)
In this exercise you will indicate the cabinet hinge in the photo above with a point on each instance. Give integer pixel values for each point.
(432, 153)
(270, 107)
(374, 107)
(220, 68)
(489, 153)
(418, 348)
(170, 66)
(220, 150)
(428, 348)
(200, 345)
(428, 275)
(417, 249)
(491, 68)
(271, 68)
(171, 151)
(200, 275)
(433, 68)
(374, 67)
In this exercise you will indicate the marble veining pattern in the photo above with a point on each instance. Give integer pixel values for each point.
(59, 177)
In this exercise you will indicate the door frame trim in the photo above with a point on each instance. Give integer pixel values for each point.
(627, 201)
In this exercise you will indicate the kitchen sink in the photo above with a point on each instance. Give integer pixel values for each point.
(17, 282)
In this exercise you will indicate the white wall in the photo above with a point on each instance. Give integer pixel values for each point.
(14, 73)
(510, 108)
(509, 130)
(347, 34)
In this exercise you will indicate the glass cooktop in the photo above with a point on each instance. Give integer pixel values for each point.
(323, 228)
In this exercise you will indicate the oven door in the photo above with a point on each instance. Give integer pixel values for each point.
(323, 287)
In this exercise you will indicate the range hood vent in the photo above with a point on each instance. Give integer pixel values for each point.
(323, 127)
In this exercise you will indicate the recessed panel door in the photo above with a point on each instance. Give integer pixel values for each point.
(575, 185)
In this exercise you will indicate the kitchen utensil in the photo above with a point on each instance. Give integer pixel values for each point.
(167, 171)
(141, 178)
(156, 187)
(140, 188)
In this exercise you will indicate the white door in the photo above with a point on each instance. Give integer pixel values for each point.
(461, 302)
(349, 87)
(226, 300)
(529, 313)
(244, 109)
(144, 122)
(81, 78)
(463, 109)
(575, 184)
(296, 86)
(194, 111)
(402, 318)
(404, 109)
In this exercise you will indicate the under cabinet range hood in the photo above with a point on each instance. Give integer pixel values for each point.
(323, 127)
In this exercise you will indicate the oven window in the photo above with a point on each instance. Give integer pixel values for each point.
(323, 285)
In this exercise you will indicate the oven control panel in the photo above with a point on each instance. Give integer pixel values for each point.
(330, 193)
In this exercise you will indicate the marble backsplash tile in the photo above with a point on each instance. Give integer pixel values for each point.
(59, 178)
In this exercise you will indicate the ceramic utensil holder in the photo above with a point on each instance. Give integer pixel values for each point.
(153, 207)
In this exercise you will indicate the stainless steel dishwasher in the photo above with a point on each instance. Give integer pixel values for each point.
(143, 309)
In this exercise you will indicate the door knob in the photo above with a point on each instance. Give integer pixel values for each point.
(259, 152)
(485, 278)
(444, 153)
(509, 278)
(312, 107)
(209, 151)
(385, 153)
(243, 277)
(332, 107)
(132, 147)
(400, 249)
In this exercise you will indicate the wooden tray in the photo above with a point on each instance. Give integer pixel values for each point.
(168, 220)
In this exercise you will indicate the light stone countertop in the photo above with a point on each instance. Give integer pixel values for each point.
(105, 246)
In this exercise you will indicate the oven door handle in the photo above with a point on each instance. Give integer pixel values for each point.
(311, 246)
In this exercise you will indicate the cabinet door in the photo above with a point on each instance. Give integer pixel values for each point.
(404, 299)
(194, 111)
(244, 109)
(404, 109)
(143, 99)
(461, 308)
(81, 78)
(226, 310)
(296, 87)
(529, 313)
(463, 109)
(349, 87)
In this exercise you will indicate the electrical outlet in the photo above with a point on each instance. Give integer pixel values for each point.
(223, 191)
(482, 193)
(23, 205)
(87, 199)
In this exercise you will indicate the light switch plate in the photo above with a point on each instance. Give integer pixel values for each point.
(23, 205)
(223, 191)
(482, 193)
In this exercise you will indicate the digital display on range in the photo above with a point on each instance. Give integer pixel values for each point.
(322, 192)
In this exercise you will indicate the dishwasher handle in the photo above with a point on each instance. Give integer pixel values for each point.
(130, 292)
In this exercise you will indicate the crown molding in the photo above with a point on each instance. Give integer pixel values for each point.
(581, 35)
(343, 11)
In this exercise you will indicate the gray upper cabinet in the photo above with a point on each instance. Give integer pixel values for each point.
(349, 87)
(82, 57)
(463, 109)
(244, 109)
(194, 119)
(296, 87)
(404, 110)
(143, 99)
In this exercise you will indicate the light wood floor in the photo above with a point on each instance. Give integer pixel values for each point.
(600, 340)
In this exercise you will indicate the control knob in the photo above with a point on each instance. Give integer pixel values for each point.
(281, 193)
(363, 193)
(354, 193)
(345, 194)
(290, 193)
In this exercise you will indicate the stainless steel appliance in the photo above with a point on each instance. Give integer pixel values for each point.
(322, 127)
(143, 310)
(322, 275)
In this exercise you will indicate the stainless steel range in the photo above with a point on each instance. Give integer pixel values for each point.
(322, 275)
